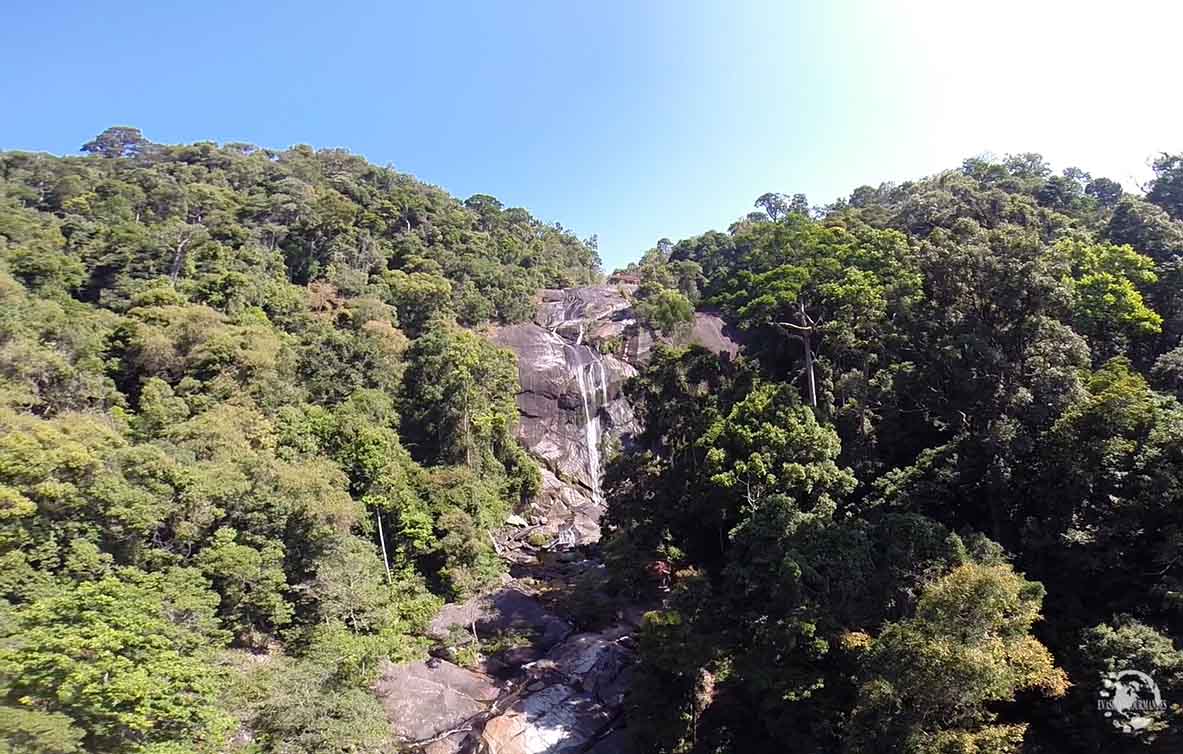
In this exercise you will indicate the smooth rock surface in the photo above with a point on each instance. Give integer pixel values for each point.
(573, 361)
(424, 699)
(598, 663)
(557, 377)
(500, 612)
(557, 720)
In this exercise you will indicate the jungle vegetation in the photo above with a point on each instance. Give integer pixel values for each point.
(942, 493)
(249, 438)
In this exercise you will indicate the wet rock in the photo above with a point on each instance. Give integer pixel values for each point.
(557, 720)
(452, 744)
(596, 307)
(563, 385)
(598, 663)
(519, 656)
(615, 742)
(576, 694)
(573, 361)
(567, 689)
(518, 556)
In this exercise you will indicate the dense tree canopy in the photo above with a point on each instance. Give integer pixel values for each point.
(939, 497)
(251, 438)
(238, 414)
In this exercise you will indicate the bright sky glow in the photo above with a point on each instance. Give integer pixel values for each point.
(629, 120)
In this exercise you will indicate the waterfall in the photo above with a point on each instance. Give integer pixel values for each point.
(599, 363)
(591, 379)
(591, 427)
(596, 365)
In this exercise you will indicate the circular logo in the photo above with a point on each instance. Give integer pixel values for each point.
(1130, 699)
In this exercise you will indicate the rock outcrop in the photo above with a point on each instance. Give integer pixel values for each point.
(425, 700)
(570, 400)
(543, 687)
(573, 361)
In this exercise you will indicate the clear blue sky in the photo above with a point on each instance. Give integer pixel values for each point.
(630, 119)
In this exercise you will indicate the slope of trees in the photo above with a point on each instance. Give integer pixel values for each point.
(249, 442)
(246, 447)
(940, 495)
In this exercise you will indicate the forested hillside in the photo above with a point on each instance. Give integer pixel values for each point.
(942, 495)
(246, 445)
(252, 437)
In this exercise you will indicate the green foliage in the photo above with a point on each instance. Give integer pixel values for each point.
(1166, 190)
(215, 438)
(1126, 644)
(984, 344)
(419, 297)
(29, 731)
(459, 393)
(117, 141)
(663, 309)
(110, 656)
(770, 444)
(1107, 305)
(251, 582)
(240, 413)
(933, 677)
(227, 224)
(303, 708)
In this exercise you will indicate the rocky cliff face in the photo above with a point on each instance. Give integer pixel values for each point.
(573, 361)
(547, 688)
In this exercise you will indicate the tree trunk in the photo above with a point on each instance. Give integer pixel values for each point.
(806, 341)
(382, 541)
(804, 331)
(467, 437)
(178, 260)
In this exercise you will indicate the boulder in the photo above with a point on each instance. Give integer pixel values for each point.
(453, 744)
(708, 330)
(556, 720)
(425, 699)
(561, 506)
(502, 611)
(564, 691)
(615, 742)
(599, 664)
(576, 699)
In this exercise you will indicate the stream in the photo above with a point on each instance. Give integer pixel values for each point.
(541, 663)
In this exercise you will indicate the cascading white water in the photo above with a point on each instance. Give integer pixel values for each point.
(597, 365)
(591, 427)
(599, 362)
(591, 378)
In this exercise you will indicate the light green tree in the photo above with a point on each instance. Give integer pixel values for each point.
(934, 678)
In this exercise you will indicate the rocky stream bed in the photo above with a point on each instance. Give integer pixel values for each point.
(541, 664)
